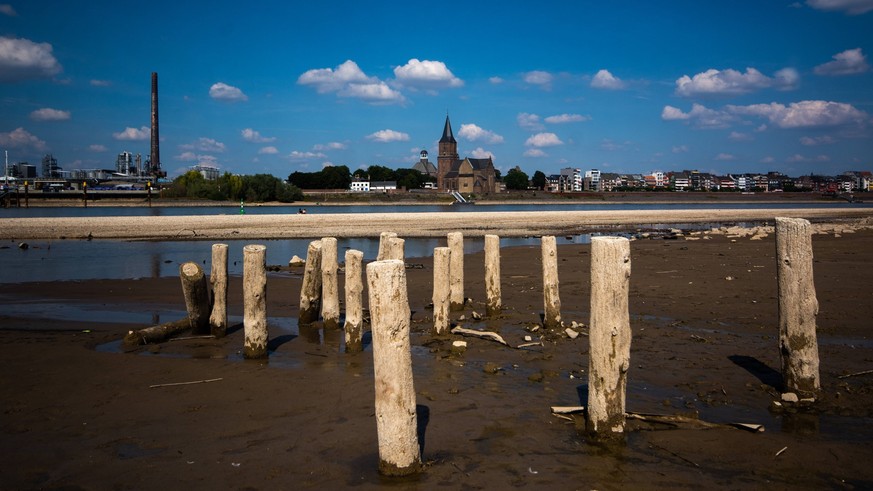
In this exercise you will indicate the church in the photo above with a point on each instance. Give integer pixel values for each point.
(467, 176)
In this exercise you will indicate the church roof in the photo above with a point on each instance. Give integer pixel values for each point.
(479, 164)
(448, 137)
(425, 167)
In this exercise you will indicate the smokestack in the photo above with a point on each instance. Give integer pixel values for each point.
(155, 159)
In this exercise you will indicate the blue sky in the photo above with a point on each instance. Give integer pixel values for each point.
(276, 87)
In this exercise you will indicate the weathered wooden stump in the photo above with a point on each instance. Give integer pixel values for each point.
(493, 300)
(330, 310)
(609, 336)
(395, 249)
(551, 294)
(196, 292)
(255, 301)
(396, 417)
(383, 245)
(455, 242)
(354, 325)
(218, 279)
(798, 307)
(310, 290)
(441, 290)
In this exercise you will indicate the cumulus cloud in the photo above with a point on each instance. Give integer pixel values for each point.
(20, 138)
(49, 114)
(605, 80)
(566, 118)
(817, 140)
(804, 114)
(725, 157)
(529, 121)
(700, 115)
(133, 134)
(539, 77)
(386, 136)
(330, 146)
(426, 74)
(850, 7)
(253, 136)
(348, 80)
(268, 151)
(495, 80)
(97, 148)
(7, 9)
(733, 82)
(220, 91)
(740, 137)
(481, 153)
(680, 149)
(100, 83)
(543, 140)
(22, 59)
(204, 144)
(848, 62)
(473, 132)
(297, 155)
(535, 152)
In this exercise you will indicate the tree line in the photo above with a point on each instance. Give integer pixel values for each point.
(255, 188)
(339, 177)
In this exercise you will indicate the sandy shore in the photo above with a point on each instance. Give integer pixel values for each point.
(80, 414)
(505, 224)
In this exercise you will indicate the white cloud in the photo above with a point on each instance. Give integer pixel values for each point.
(767, 160)
(817, 140)
(348, 80)
(822, 158)
(49, 114)
(534, 152)
(253, 136)
(426, 74)
(539, 77)
(376, 93)
(851, 7)
(495, 80)
(97, 148)
(605, 80)
(475, 133)
(725, 157)
(566, 118)
(700, 115)
(804, 113)
(100, 83)
(529, 121)
(848, 62)
(481, 153)
(733, 82)
(220, 91)
(297, 155)
(22, 59)
(7, 9)
(268, 151)
(330, 146)
(21, 138)
(133, 134)
(199, 158)
(740, 137)
(796, 158)
(680, 149)
(543, 140)
(386, 136)
(204, 144)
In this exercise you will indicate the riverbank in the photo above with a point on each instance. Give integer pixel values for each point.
(78, 413)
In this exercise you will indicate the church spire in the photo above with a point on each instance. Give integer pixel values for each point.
(448, 137)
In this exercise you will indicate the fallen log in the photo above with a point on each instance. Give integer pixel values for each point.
(156, 334)
(493, 336)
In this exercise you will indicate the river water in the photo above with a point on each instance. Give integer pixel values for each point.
(104, 259)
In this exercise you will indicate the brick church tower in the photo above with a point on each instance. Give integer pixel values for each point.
(448, 154)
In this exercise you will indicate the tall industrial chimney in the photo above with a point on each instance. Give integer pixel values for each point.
(155, 158)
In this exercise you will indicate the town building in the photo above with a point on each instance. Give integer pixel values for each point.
(470, 176)
(425, 166)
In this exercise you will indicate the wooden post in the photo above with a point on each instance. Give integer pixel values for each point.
(218, 279)
(255, 301)
(456, 270)
(798, 307)
(396, 418)
(196, 292)
(441, 290)
(609, 336)
(395, 249)
(354, 325)
(551, 295)
(330, 311)
(310, 290)
(383, 245)
(493, 301)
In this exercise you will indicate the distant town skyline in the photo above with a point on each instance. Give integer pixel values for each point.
(275, 87)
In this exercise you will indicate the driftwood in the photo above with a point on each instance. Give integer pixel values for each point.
(865, 372)
(668, 419)
(493, 336)
(156, 334)
(174, 384)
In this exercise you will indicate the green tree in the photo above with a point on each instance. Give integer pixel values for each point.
(539, 180)
(516, 179)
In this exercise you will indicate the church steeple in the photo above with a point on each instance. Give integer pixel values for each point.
(448, 137)
(448, 154)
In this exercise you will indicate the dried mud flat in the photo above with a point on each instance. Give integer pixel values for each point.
(80, 414)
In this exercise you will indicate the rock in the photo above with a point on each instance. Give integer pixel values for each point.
(789, 397)
(729, 278)
(571, 333)
(296, 262)
(23, 246)
(462, 317)
(536, 377)
(528, 339)
(476, 316)
(459, 347)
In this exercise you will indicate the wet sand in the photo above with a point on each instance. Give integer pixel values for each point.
(704, 320)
